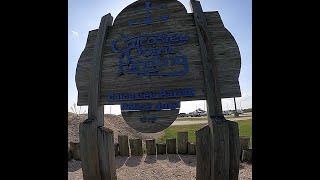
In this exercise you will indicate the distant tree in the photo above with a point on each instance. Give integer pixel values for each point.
(247, 110)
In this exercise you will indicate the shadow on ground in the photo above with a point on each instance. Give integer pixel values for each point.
(174, 158)
(162, 157)
(74, 165)
(133, 161)
(151, 159)
(120, 160)
(190, 160)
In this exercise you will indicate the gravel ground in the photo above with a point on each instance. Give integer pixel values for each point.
(113, 122)
(177, 167)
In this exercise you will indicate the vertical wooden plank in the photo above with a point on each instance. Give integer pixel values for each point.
(69, 154)
(234, 148)
(151, 147)
(116, 149)
(221, 151)
(182, 142)
(161, 148)
(123, 145)
(136, 147)
(220, 155)
(235, 108)
(209, 64)
(88, 131)
(75, 150)
(106, 154)
(171, 146)
(247, 156)
(203, 149)
(95, 110)
(244, 144)
(191, 148)
(89, 150)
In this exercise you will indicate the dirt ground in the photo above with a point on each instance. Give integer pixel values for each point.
(169, 166)
(114, 122)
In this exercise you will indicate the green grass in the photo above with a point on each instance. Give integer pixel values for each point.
(245, 129)
(172, 132)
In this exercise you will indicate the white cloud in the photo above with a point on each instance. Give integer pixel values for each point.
(75, 34)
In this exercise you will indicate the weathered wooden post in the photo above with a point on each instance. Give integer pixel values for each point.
(203, 149)
(219, 127)
(182, 142)
(247, 155)
(106, 154)
(116, 149)
(151, 147)
(75, 150)
(191, 148)
(161, 148)
(171, 146)
(123, 145)
(136, 147)
(234, 165)
(244, 144)
(69, 154)
(91, 154)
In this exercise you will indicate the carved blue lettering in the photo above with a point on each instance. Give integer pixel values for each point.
(124, 106)
(148, 19)
(174, 37)
(154, 40)
(163, 93)
(113, 46)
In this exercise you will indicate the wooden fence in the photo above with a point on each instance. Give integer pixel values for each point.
(181, 145)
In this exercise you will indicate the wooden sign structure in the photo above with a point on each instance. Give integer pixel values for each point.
(151, 58)
(153, 64)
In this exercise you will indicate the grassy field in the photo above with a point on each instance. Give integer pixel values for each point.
(245, 129)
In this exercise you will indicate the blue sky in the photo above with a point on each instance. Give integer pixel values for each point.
(85, 15)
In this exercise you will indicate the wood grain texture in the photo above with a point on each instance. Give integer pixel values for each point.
(151, 147)
(138, 120)
(171, 146)
(247, 156)
(75, 150)
(234, 148)
(213, 96)
(221, 155)
(203, 149)
(123, 145)
(244, 144)
(161, 148)
(106, 154)
(136, 147)
(116, 149)
(226, 52)
(191, 148)
(182, 142)
(95, 109)
(69, 154)
(89, 149)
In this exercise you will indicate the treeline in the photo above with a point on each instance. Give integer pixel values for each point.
(247, 110)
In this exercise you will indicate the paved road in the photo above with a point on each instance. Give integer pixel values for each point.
(180, 123)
